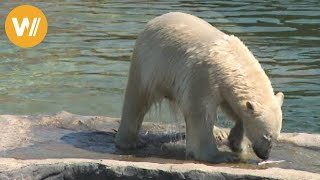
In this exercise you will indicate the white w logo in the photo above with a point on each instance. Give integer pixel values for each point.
(25, 25)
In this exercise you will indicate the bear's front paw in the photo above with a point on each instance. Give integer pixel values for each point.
(235, 145)
(225, 157)
(218, 157)
(126, 144)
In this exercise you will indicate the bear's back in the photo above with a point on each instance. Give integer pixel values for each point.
(170, 38)
(175, 45)
(181, 27)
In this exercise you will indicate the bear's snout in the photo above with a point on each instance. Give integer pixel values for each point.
(262, 150)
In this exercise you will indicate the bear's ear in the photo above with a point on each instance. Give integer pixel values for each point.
(280, 97)
(250, 107)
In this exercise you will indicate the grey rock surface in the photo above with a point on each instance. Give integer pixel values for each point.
(113, 169)
(68, 146)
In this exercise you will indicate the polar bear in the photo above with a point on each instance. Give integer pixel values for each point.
(198, 68)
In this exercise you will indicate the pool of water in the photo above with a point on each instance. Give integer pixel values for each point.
(82, 65)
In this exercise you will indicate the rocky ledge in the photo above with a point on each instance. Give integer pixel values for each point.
(68, 146)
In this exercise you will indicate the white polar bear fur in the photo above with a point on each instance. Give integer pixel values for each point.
(197, 67)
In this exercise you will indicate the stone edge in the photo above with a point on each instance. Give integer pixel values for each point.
(103, 168)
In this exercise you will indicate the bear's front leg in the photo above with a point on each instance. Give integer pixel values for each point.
(235, 137)
(201, 144)
(136, 104)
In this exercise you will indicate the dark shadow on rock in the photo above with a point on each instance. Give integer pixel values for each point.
(164, 145)
(91, 141)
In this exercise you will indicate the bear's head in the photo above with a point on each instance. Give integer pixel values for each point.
(263, 123)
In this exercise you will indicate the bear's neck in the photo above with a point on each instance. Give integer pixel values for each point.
(240, 76)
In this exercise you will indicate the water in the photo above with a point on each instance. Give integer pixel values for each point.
(82, 65)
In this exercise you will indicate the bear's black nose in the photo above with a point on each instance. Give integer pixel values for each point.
(261, 155)
(262, 152)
